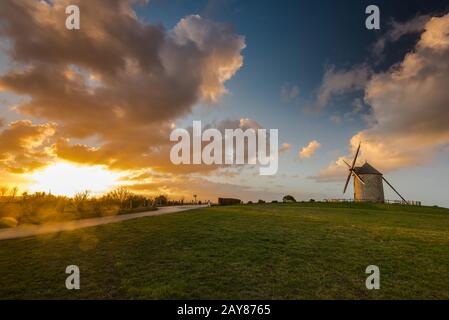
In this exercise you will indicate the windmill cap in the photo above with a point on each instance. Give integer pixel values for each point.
(366, 169)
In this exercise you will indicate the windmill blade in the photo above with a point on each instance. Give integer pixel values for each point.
(358, 177)
(395, 190)
(347, 182)
(353, 171)
(349, 166)
(356, 155)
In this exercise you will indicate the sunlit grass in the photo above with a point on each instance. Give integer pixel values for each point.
(272, 251)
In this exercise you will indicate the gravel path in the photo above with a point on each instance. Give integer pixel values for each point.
(33, 230)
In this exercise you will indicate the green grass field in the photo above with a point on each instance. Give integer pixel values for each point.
(272, 251)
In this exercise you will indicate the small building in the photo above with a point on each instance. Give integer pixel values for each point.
(372, 190)
(228, 201)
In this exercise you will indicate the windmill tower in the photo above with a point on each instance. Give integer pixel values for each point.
(368, 182)
(372, 188)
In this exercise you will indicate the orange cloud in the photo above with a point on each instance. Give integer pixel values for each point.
(25, 146)
(309, 150)
(118, 79)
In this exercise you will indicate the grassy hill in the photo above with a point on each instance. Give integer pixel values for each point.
(270, 251)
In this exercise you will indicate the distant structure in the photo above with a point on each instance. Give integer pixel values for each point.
(368, 182)
(288, 198)
(228, 201)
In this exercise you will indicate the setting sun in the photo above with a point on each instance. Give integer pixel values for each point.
(67, 179)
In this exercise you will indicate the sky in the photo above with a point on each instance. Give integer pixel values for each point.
(96, 106)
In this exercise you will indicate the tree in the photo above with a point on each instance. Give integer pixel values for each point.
(13, 193)
(289, 198)
(161, 200)
(121, 194)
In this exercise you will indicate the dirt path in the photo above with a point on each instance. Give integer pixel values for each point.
(33, 230)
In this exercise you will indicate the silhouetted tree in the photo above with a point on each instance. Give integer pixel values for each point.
(289, 198)
(161, 200)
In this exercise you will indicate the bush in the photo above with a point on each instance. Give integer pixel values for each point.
(8, 222)
(81, 201)
(288, 198)
(40, 207)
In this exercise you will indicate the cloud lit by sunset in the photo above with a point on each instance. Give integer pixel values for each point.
(108, 95)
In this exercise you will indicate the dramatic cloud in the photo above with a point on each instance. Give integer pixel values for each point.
(338, 82)
(409, 122)
(309, 150)
(220, 47)
(25, 146)
(117, 80)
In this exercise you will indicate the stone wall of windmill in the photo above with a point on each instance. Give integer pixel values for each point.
(371, 191)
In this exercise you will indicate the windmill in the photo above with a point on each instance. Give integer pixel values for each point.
(368, 182)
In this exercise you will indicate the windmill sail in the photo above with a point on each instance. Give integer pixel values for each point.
(351, 170)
